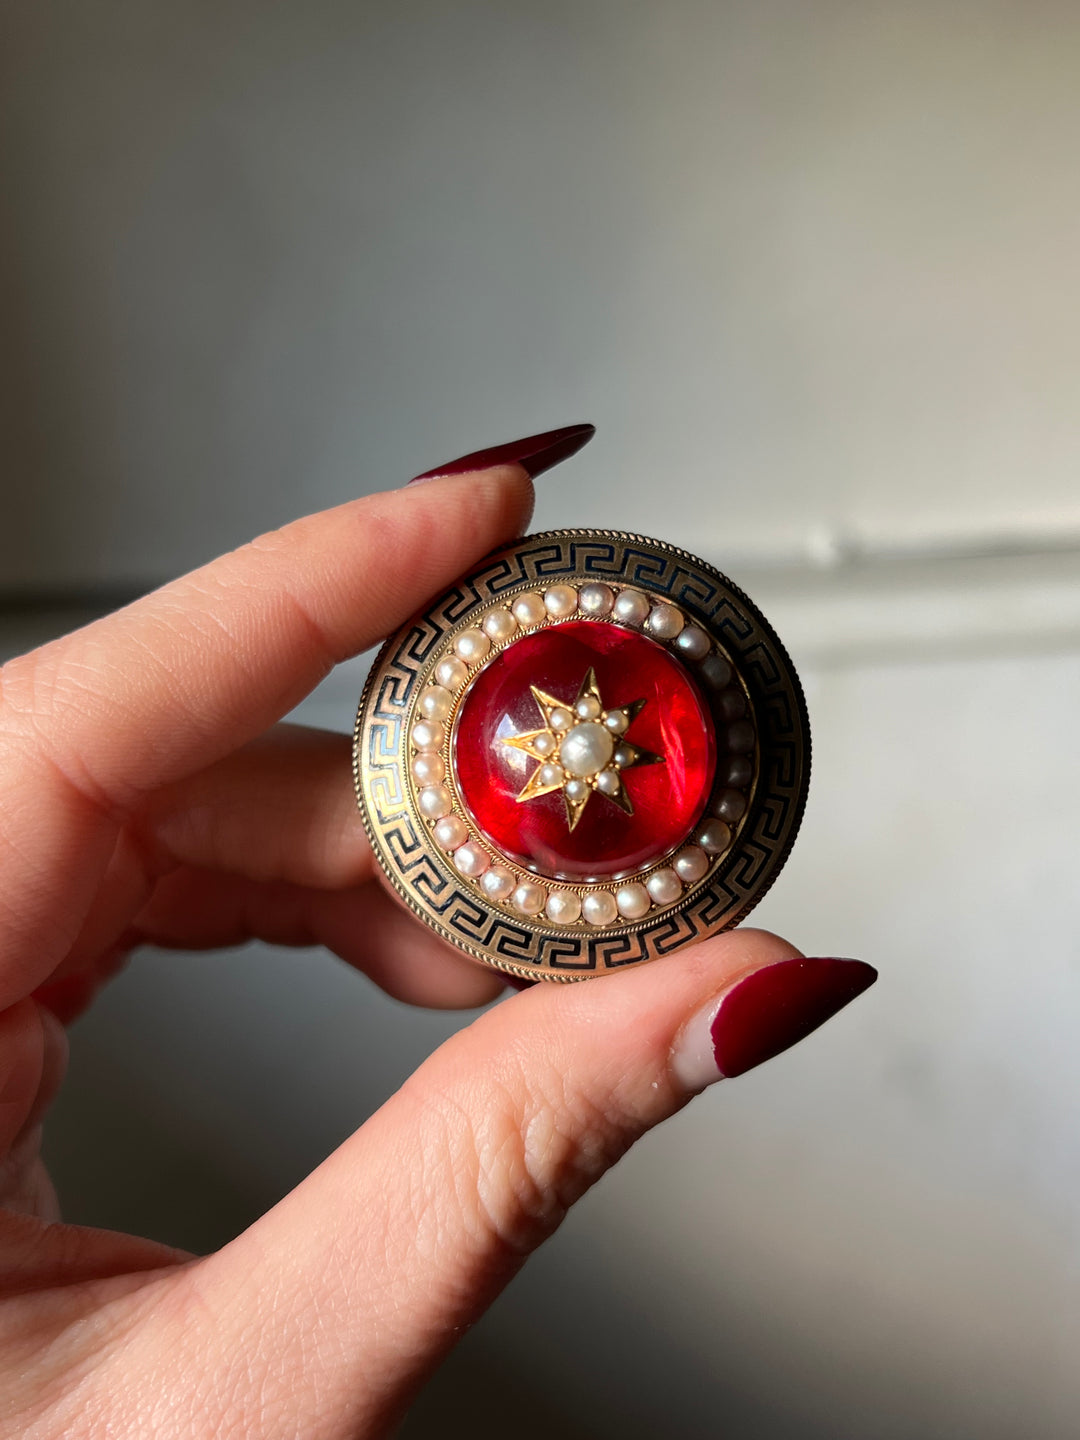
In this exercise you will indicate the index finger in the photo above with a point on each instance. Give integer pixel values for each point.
(183, 676)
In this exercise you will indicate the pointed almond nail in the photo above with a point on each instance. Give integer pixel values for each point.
(764, 1014)
(535, 454)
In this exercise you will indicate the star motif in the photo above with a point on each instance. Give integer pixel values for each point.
(581, 749)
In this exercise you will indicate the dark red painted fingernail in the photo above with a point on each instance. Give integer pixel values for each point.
(535, 454)
(764, 1014)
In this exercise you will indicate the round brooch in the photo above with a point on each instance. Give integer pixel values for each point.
(592, 751)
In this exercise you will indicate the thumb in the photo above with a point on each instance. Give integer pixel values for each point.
(351, 1289)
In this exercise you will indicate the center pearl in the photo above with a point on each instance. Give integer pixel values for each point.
(586, 749)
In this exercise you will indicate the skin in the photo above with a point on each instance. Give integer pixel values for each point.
(148, 794)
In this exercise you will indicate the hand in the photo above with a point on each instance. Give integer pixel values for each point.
(148, 795)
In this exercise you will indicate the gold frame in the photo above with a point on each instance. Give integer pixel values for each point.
(534, 947)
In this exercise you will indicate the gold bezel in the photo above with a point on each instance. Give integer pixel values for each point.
(535, 947)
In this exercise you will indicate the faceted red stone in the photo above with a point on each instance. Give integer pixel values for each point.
(674, 723)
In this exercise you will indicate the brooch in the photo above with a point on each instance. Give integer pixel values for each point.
(591, 751)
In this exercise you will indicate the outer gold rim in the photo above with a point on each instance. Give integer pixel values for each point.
(535, 948)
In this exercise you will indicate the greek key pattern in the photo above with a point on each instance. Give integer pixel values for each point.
(535, 948)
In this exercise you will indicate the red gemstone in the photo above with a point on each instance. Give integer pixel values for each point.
(674, 724)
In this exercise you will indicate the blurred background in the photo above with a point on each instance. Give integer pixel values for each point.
(811, 268)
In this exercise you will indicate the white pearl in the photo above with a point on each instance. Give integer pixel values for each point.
(623, 756)
(544, 744)
(631, 607)
(560, 601)
(595, 600)
(716, 672)
(599, 907)
(451, 672)
(693, 643)
(497, 883)
(664, 886)
(529, 898)
(435, 802)
(428, 769)
(435, 702)
(608, 782)
(732, 704)
(561, 719)
(633, 901)
(740, 736)
(472, 646)
(551, 774)
(729, 805)
(499, 624)
(528, 608)
(450, 832)
(427, 735)
(588, 708)
(564, 907)
(471, 860)
(665, 622)
(617, 721)
(735, 770)
(691, 864)
(714, 837)
(577, 790)
(586, 749)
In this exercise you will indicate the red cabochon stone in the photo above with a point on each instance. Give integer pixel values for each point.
(668, 798)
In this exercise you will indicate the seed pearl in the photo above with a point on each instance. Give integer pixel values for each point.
(451, 672)
(631, 607)
(528, 608)
(497, 883)
(472, 646)
(428, 769)
(544, 744)
(471, 860)
(664, 886)
(529, 898)
(693, 643)
(691, 864)
(716, 672)
(740, 736)
(665, 622)
(617, 721)
(732, 704)
(736, 770)
(561, 719)
(714, 837)
(560, 601)
(435, 702)
(577, 790)
(599, 907)
(564, 907)
(595, 600)
(589, 708)
(450, 832)
(435, 802)
(427, 735)
(633, 901)
(623, 756)
(608, 782)
(729, 805)
(551, 774)
(499, 624)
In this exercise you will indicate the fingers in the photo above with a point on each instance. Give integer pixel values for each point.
(360, 1280)
(366, 927)
(187, 674)
(33, 1058)
(92, 723)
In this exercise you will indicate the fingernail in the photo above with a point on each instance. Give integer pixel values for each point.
(766, 1013)
(535, 454)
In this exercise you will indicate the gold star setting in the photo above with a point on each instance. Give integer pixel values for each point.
(581, 750)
